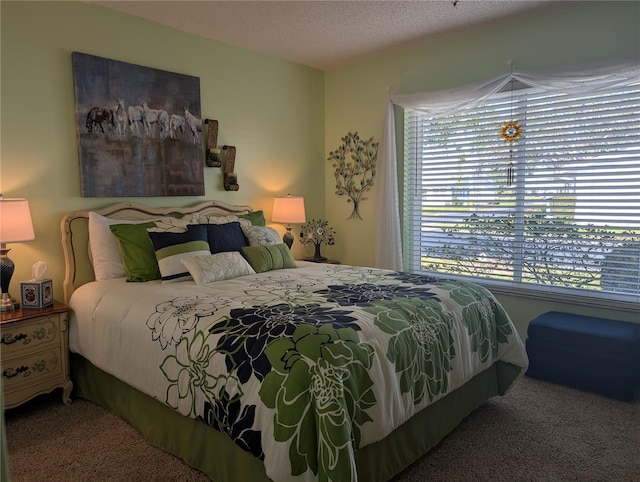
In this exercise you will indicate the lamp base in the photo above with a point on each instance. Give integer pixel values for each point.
(8, 303)
(288, 237)
(6, 272)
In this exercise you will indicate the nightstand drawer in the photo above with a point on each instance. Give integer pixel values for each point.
(29, 336)
(31, 369)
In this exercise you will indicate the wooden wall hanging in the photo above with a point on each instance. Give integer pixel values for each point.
(230, 177)
(213, 153)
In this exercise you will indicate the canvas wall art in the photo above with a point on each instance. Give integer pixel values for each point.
(139, 129)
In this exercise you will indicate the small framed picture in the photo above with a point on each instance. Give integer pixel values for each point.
(36, 294)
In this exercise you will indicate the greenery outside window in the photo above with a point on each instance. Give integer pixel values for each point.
(557, 210)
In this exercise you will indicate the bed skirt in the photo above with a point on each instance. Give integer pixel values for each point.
(213, 453)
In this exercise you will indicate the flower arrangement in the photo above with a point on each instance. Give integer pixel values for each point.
(317, 232)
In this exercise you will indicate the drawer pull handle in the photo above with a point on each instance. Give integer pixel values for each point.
(10, 340)
(10, 372)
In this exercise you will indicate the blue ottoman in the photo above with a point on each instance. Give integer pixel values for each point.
(585, 352)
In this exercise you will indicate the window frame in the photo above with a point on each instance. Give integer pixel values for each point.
(580, 296)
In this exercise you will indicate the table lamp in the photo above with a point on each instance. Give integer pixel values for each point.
(15, 227)
(290, 210)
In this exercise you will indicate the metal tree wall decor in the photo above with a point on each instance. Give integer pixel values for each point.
(355, 168)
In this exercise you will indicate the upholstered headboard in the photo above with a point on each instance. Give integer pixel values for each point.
(75, 237)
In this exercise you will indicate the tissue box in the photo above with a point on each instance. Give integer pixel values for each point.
(36, 294)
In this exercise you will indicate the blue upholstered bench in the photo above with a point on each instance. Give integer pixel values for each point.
(585, 352)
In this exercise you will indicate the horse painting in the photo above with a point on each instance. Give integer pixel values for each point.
(129, 147)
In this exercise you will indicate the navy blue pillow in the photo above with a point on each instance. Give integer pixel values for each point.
(225, 237)
(171, 248)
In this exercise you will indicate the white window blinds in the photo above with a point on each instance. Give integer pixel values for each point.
(558, 209)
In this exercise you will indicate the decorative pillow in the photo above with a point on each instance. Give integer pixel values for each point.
(105, 253)
(179, 225)
(170, 225)
(268, 257)
(260, 235)
(224, 237)
(196, 218)
(215, 267)
(136, 248)
(172, 248)
(256, 218)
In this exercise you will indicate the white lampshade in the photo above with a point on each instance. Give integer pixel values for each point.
(15, 221)
(288, 209)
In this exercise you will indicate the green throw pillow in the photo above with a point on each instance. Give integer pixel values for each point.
(256, 218)
(268, 257)
(138, 255)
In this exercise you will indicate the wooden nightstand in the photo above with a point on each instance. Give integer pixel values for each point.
(326, 260)
(35, 353)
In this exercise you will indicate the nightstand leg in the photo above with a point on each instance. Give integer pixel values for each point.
(66, 392)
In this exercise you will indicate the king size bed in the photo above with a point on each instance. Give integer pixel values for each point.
(249, 365)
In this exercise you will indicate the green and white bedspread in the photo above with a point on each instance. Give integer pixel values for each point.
(300, 367)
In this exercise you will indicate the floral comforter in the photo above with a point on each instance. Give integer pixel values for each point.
(300, 367)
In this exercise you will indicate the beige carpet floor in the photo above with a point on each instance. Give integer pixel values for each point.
(538, 432)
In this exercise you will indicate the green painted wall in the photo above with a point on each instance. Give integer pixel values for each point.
(563, 33)
(271, 110)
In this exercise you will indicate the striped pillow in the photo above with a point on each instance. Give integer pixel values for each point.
(269, 257)
(172, 248)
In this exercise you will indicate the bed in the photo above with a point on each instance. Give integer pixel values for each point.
(249, 365)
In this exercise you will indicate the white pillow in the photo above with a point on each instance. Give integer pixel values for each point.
(103, 245)
(217, 267)
(105, 253)
(261, 235)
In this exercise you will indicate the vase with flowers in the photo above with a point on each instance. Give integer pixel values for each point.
(317, 232)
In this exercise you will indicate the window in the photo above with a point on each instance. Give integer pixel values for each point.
(557, 210)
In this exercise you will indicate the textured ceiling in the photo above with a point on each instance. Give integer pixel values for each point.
(323, 34)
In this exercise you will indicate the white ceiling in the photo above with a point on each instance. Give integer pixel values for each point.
(322, 34)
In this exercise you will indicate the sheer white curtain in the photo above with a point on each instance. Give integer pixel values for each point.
(451, 101)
